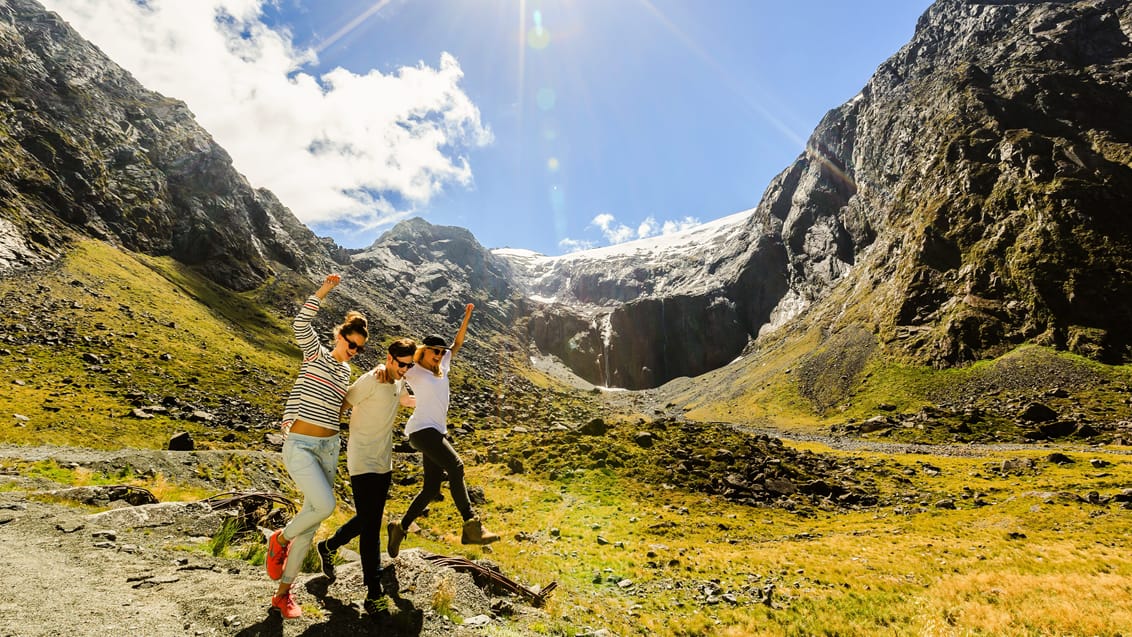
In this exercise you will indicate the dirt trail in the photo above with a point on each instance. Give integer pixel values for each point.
(61, 578)
(64, 575)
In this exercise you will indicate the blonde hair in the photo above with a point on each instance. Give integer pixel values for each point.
(417, 355)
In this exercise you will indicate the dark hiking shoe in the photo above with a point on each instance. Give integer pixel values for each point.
(474, 533)
(396, 534)
(375, 602)
(327, 557)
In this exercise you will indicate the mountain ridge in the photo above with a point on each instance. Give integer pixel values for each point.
(957, 207)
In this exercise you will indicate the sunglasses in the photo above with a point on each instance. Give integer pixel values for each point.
(408, 365)
(354, 346)
(439, 351)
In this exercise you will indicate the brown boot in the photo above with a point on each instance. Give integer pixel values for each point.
(396, 534)
(474, 533)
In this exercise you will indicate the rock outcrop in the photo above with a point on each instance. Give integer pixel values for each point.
(86, 149)
(977, 186)
(969, 199)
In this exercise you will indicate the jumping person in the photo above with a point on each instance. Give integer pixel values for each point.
(426, 429)
(310, 452)
(374, 398)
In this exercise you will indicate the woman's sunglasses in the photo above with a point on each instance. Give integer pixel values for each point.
(354, 346)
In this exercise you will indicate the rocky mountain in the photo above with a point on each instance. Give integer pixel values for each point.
(87, 150)
(975, 186)
(968, 199)
(640, 313)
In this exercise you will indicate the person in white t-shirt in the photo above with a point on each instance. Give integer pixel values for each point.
(426, 429)
(373, 398)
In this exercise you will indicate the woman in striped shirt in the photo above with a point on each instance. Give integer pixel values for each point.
(310, 452)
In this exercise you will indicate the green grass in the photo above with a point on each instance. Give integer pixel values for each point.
(911, 569)
(1015, 557)
(763, 392)
(148, 321)
(908, 568)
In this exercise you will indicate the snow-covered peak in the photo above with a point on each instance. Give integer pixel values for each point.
(660, 246)
(668, 264)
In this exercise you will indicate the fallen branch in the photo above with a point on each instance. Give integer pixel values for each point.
(491, 576)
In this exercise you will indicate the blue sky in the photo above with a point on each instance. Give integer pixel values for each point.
(550, 125)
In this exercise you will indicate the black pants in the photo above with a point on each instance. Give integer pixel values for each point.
(370, 493)
(439, 458)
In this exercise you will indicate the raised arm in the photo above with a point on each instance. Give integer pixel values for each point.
(331, 282)
(304, 332)
(459, 340)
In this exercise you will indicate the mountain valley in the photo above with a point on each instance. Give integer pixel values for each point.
(894, 397)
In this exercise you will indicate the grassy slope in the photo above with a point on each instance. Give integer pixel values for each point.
(802, 383)
(1027, 561)
(129, 310)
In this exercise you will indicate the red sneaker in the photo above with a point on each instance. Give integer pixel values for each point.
(276, 556)
(286, 605)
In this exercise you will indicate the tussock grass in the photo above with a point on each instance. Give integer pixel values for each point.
(1019, 554)
(909, 569)
(159, 485)
(443, 597)
(130, 310)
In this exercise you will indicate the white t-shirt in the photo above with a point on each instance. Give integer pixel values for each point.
(370, 446)
(432, 394)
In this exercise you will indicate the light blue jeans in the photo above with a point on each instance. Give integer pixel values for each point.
(312, 463)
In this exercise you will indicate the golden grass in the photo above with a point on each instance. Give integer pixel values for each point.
(1028, 563)
(1032, 560)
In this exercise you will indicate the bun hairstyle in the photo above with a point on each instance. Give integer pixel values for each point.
(355, 323)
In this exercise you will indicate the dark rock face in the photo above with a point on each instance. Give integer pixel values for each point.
(969, 199)
(84, 144)
(636, 317)
(990, 164)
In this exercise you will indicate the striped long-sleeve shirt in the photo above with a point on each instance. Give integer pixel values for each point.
(322, 382)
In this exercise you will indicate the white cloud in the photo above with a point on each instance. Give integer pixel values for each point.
(647, 228)
(614, 232)
(363, 149)
(575, 245)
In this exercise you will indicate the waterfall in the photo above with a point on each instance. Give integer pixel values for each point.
(663, 371)
(605, 325)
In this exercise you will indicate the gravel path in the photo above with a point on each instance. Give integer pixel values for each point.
(65, 573)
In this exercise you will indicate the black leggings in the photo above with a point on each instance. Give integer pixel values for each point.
(370, 493)
(439, 458)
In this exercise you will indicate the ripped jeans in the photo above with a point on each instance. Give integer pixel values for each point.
(312, 463)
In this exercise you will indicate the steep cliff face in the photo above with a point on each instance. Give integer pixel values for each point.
(81, 142)
(990, 161)
(638, 314)
(970, 198)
